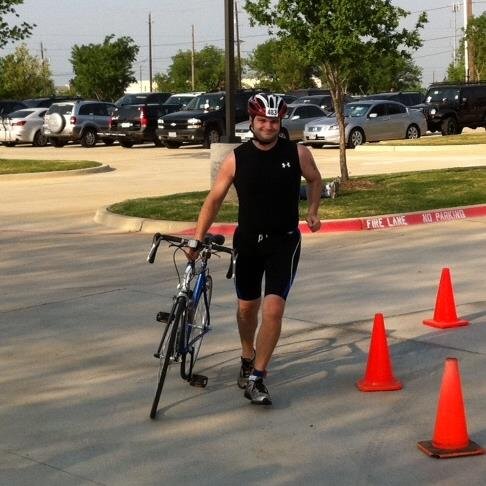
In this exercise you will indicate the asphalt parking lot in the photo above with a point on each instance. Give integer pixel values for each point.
(78, 331)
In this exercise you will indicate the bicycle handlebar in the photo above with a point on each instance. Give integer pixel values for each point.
(211, 242)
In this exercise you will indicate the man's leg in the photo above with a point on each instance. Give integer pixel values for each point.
(269, 332)
(247, 318)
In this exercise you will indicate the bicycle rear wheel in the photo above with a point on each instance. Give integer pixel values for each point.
(195, 329)
(167, 350)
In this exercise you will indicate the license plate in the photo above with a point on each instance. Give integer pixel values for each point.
(312, 136)
(125, 124)
(172, 134)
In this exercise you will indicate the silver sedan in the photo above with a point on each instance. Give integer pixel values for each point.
(368, 121)
(23, 126)
(292, 124)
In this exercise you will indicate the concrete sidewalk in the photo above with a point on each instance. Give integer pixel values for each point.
(78, 377)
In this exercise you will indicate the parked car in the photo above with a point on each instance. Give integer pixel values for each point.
(8, 106)
(449, 108)
(23, 126)
(407, 98)
(324, 101)
(203, 121)
(78, 121)
(131, 124)
(47, 101)
(292, 124)
(142, 98)
(177, 102)
(368, 121)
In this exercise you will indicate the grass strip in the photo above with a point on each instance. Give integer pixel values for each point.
(438, 140)
(360, 197)
(21, 166)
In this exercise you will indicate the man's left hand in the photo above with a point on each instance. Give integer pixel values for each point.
(313, 222)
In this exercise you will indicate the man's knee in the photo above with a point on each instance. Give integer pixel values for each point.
(273, 307)
(248, 310)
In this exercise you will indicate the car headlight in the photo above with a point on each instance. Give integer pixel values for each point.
(334, 127)
(160, 122)
(194, 123)
(433, 111)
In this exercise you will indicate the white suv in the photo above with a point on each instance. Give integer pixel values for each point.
(77, 121)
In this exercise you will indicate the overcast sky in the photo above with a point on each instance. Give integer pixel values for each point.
(63, 23)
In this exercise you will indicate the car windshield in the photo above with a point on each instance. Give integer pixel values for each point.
(20, 114)
(353, 110)
(206, 102)
(178, 100)
(290, 110)
(61, 109)
(132, 99)
(435, 95)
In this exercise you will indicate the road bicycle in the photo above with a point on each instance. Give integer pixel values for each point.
(189, 318)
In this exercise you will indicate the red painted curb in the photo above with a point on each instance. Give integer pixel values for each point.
(375, 222)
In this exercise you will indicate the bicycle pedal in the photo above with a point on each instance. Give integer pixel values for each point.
(198, 380)
(162, 316)
(157, 355)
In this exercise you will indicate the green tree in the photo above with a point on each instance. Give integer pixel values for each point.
(338, 36)
(476, 37)
(209, 71)
(390, 72)
(103, 71)
(280, 65)
(24, 76)
(17, 32)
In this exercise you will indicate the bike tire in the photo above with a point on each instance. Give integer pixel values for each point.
(195, 331)
(168, 351)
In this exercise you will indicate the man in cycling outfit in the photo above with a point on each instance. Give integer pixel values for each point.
(266, 172)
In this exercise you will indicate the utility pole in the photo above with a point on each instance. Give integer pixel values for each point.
(238, 55)
(455, 9)
(141, 83)
(42, 52)
(193, 84)
(230, 70)
(150, 51)
(468, 61)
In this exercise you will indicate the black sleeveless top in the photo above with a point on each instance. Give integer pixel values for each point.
(268, 187)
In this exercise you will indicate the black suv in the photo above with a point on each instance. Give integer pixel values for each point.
(407, 98)
(142, 98)
(449, 108)
(203, 121)
(131, 124)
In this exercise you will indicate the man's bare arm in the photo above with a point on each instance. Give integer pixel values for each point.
(314, 183)
(214, 199)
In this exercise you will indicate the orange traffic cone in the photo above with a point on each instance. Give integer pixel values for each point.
(445, 315)
(450, 436)
(379, 373)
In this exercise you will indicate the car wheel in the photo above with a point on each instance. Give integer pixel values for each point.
(356, 137)
(413, 131)
(108, 141)
(126, 143)
(56, 142)
(10, 144)
(284, 134)
(88, 139)
(172, 144)
(56, 122)
(40, 140)
(449, 126)
(212, 135)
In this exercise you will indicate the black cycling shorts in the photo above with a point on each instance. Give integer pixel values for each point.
(274, 256)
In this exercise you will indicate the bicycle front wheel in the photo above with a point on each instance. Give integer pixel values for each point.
(167, 351)
(197, 326)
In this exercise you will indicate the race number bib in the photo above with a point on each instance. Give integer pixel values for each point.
(272, 112)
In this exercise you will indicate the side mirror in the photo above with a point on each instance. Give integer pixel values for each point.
(373, 115)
